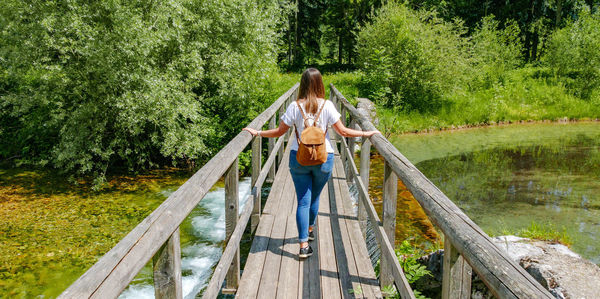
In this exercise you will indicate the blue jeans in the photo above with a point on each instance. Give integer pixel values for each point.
(309, 182)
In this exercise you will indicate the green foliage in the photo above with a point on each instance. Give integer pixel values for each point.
(574, 53)
(88, 85)
(407, 255)
(411, 58)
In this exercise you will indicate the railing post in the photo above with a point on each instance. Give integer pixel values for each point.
(390, 193)
(351, 142)
(256, 190)
(272, 125)
(281, 148)
(457, 272)
(343, 151)
(167, 269)
(231, 219)
(290, 100)
(333, 99)
(365, 164)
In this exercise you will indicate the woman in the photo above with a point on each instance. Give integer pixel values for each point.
(310, 180)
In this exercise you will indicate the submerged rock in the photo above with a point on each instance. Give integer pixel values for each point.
(564, 273)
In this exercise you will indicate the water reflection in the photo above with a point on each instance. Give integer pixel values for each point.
(550, 176)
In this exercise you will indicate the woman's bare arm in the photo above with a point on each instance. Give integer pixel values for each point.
(347, 132)
(277, 132)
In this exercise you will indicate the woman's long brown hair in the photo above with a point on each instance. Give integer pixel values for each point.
(311, 88)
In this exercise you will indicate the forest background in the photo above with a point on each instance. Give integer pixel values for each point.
(93, 87)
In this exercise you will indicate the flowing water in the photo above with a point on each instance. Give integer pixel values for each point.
(507, 177)
(53, 231)
(201, 251)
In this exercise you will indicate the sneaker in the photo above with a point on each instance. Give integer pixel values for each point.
(311, 236)
(305, 252)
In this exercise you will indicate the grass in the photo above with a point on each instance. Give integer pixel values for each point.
(543, 232)
(522, 95)
(526, 94)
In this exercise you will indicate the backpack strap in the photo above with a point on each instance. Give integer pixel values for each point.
(304, 118)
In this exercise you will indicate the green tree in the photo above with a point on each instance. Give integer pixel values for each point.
(410, 59)
(86, 86)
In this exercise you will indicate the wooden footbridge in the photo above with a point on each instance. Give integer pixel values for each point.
(341, 266)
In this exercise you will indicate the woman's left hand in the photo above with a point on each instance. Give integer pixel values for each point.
(371, 133)
(251, 131)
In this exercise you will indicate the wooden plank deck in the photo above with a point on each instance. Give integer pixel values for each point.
(340, 265)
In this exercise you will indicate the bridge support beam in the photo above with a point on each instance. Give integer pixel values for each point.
(390, 194)
(167, 269)
(456, 281)
(232, 279)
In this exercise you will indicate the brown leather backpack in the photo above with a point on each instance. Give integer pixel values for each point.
(311, 144)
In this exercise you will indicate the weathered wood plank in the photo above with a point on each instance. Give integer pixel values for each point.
(270, 277)
(278, 186)
(288, 273)
(167, 269)
(386, 248)
(330, 286)
(456, 282)
(232, 202)
(113, 272)
(504, 277)
(366, 273)
(256, 258)
(253, 269)
(313, 275)
(390, 193)
(346, 267)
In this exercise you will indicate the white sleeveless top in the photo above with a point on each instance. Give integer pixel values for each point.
(328, 117)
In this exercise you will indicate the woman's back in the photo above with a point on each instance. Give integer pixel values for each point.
(328, 116)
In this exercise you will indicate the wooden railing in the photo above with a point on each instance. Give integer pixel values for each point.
(466, 246)
(157, 236)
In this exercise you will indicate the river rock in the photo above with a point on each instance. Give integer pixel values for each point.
(563, 272)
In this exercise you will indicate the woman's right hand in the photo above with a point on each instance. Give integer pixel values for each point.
(251, 131)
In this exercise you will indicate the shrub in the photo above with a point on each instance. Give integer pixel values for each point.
(88, 85)
(573, 52)
(410, 59)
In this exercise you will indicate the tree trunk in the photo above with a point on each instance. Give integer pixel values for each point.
(558, 12)
(340, 47)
